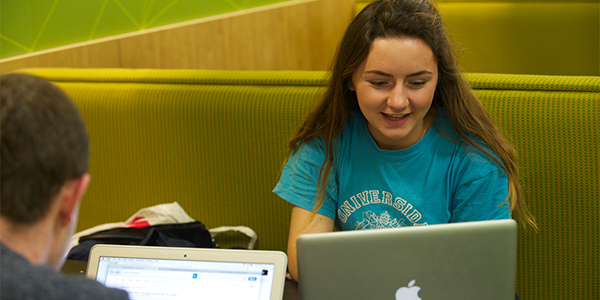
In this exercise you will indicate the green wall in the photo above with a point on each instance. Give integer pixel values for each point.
(33, 25)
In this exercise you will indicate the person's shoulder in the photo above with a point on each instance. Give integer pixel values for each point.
(21, 280)
(86, 288)
(310, 147)
(462, 150)
(44, 283)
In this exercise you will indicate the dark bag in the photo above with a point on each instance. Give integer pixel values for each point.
(192, 234)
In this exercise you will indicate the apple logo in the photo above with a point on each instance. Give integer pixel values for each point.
(408, 293)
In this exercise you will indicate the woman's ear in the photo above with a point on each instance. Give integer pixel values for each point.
(351, 85)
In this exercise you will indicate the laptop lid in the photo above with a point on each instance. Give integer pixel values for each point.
(472, 260)
(189, 273)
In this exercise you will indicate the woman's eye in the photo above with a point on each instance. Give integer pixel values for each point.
(418, 84)
(378, 83)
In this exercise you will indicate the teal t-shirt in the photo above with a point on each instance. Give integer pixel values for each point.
(434, 181)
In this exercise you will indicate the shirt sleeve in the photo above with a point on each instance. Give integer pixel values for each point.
(481, 197)
(300, 177)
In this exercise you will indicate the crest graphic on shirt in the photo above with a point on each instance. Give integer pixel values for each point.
(372, 221)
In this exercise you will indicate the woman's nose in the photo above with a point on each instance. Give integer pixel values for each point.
(398, 98)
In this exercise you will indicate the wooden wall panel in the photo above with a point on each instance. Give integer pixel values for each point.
(327, 23)
(293, 35)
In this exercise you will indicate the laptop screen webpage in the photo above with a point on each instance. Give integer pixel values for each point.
(167, 279)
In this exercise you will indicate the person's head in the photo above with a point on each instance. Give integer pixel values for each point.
(382, 19)
(44, 152)
(391, 52)
(394, 88)
(416, 20)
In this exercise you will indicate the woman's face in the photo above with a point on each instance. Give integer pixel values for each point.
(395, 87)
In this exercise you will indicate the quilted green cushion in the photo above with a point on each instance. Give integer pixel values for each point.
(554, 124)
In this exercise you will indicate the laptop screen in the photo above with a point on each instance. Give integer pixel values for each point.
(166, 279)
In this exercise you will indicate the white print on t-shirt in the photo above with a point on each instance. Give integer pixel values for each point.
(370, 220)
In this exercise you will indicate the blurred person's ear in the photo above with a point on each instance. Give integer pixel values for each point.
(71, 195)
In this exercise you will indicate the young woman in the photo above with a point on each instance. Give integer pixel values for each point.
(399, 138)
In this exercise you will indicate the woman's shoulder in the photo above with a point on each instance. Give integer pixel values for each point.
(467, 153)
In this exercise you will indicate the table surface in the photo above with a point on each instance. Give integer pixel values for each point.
(76, 267)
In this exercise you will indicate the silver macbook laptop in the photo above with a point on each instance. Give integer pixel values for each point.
(473, 260)
(189, 273)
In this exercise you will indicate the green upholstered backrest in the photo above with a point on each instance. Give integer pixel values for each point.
(551, 37)
(554, 123)
(215, 141)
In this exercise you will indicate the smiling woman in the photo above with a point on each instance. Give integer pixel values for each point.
(399, 138)
(394, 87)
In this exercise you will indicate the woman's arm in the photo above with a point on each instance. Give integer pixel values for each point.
(299, 225)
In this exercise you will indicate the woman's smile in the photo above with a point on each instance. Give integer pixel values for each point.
(395, 117)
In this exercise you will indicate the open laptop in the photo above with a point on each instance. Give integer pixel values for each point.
(473, 260)
(189, 273)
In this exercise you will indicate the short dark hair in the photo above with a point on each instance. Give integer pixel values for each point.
(45, 143)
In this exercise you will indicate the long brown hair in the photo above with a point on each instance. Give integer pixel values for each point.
(411, 19)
